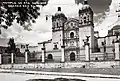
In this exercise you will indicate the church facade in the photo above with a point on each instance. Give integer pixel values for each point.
(73, 40)
(70, 37)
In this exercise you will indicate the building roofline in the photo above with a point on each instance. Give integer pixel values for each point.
(108, 36)
(49, 41)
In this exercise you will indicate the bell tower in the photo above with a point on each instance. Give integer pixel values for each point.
(86, 14)
(58, 21)
(86, 26)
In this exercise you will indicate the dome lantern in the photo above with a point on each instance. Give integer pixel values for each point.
(85, 2)
(59, 8)
(85, 5)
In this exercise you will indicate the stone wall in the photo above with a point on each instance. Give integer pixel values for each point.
(97, 56)
(6, 59)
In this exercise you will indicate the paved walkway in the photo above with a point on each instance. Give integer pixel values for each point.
(58, 74)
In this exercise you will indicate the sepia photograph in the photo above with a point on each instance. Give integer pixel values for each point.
(59, 40)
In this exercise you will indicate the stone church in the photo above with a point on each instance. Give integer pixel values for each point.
(72, 38)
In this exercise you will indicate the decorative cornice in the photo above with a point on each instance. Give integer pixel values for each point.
(81, 26)
(42, 48)
(72, 29)
(72, 48)
(57, 30)
(76, 38)
(86, 10)
(62, 46)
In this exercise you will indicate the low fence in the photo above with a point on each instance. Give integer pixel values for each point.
(107, 64)
(20, 59)
(102, 56)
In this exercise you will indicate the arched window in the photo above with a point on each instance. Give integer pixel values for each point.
(57, 24)
(50, 56)
(55, 47)
(81, 22)
(9, 60)
(85, 21)
(84, 17)
(71, 35)
(71, 43)
(72, 24)
(72, 56)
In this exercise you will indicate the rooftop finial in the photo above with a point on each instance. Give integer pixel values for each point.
(59, 8)
(85, 2)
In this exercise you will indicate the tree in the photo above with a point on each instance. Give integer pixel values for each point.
(22, 15)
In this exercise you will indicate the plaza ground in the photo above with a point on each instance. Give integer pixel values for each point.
(36, 71)
(107, 71)
(24, 77)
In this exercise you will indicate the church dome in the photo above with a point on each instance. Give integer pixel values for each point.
(116, 27)
(58, 14)
(85, 7)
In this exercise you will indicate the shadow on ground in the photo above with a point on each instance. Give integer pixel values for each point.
(56, 79)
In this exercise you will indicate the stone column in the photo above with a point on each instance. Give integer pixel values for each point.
(0, 58)
(63, 54)
(43, 55)
(117, 51)
(26, 57)
(12, 58)
(87, 52)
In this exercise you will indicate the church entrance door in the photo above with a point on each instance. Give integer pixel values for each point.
(50, 56)
(72, 56)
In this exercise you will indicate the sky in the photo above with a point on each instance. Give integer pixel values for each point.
(104, 12)
(98, 6)
(111, 19)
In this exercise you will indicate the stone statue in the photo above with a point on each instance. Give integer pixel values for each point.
(86, 41)
(11, 46)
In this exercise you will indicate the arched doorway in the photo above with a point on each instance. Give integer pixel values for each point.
(71, 35)
(50, 56)
(72, 56)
